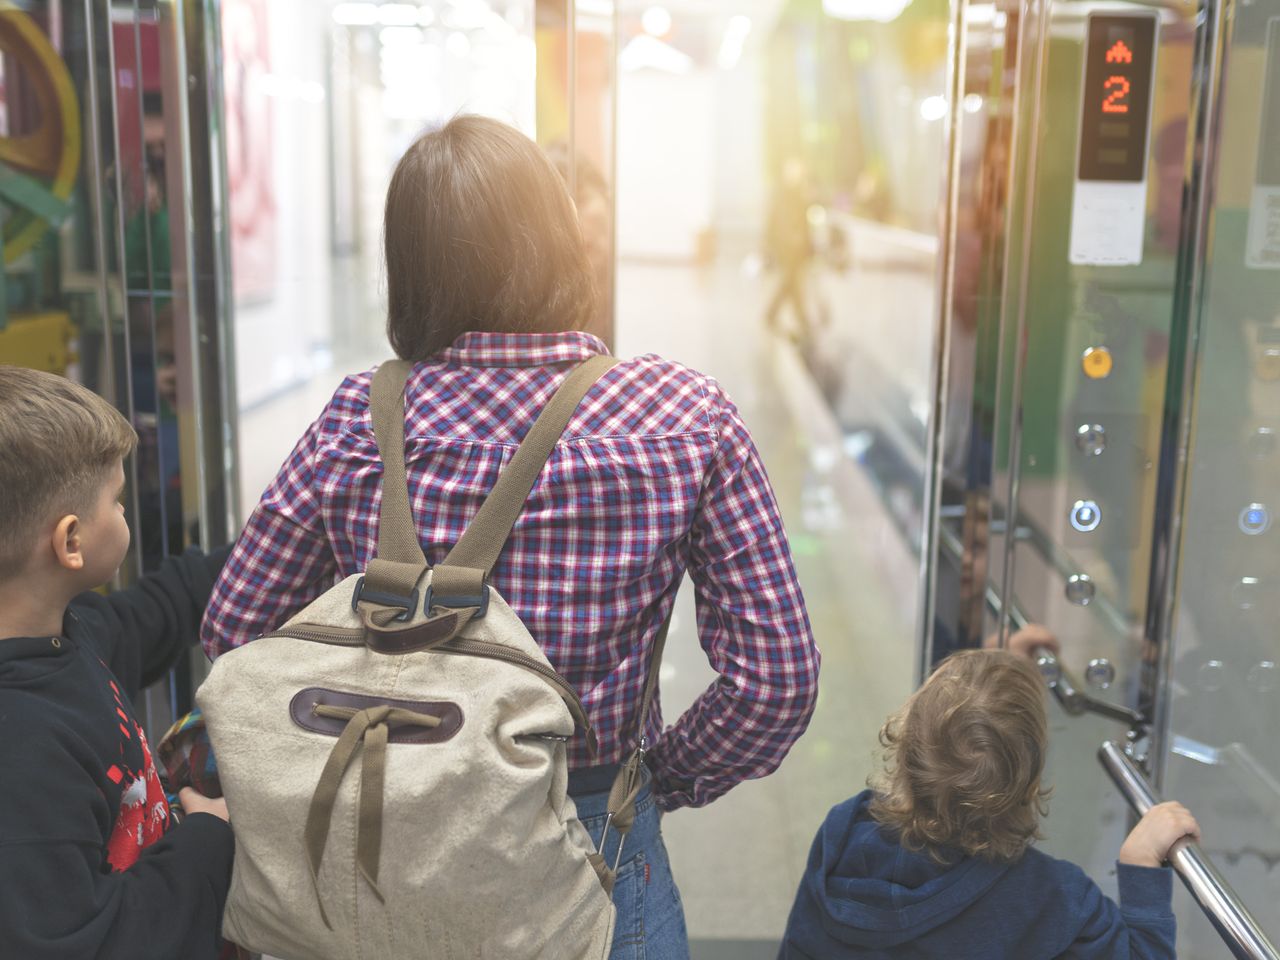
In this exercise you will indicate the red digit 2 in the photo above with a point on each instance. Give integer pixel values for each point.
(1119, 87)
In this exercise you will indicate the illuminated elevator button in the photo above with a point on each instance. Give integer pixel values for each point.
(1080, 589)
(1254, 519)
(1091, 439)
(1097, 363)
(1100, 673)
(1085, 516)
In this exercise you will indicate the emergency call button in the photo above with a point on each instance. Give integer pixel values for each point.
(1097, 363)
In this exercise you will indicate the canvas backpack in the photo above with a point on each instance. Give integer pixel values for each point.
(393, 757)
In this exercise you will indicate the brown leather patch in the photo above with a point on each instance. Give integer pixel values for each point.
(422, 636)
(302, 709)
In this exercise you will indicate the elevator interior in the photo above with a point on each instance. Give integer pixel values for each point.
(1104, 450)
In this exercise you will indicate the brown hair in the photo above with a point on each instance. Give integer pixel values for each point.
(964, 758)
(58, 440)
(480, 234)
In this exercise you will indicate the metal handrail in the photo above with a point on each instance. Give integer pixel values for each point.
(1075, 701)
(1224, 908)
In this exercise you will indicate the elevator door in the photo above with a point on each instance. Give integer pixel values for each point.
(1107, 440)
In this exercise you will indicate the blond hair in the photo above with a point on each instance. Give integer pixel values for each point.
(58, 440)
(964, 756)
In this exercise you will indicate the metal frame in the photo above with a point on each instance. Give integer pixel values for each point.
(1209, 60)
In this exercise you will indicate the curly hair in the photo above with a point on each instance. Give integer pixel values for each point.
(963, 760)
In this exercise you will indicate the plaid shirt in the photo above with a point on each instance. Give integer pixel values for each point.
(655, 475)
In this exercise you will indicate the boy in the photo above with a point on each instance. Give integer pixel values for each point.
(89, 867)
(936, 860)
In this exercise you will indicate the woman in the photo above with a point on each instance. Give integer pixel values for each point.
(488, 291)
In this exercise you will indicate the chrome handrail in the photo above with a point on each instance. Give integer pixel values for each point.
(1228, 914)
(1076, 702)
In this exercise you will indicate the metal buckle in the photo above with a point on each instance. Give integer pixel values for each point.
(407, 604)
(457, 603)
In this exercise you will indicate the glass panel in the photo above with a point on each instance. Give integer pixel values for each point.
(321, 100)
(776, 230)
(1223, 758)
(1088, 319)
(92, 144)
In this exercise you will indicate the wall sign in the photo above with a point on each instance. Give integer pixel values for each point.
(1109, 207)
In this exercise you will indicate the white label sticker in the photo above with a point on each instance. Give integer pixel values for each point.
(1107, 223)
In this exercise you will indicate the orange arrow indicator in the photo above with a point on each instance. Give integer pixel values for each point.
(1119, 53)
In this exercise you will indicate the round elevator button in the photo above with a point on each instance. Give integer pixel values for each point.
(1091, 439)
(1100, 673)
(1097, 363)
(1086, 515)
(1080, 589)
(1254, 519)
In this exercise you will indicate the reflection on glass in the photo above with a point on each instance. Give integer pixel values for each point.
(1225, 759)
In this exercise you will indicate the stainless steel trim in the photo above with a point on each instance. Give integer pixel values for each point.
(939, 375)
(120, 394)
(1044, 10)
(1224, 908)
(1209, 62)
(197, 340)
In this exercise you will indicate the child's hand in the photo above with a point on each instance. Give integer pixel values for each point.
(193, 802)
(1163, 826)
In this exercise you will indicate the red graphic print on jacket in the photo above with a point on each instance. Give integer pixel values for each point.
(144, 812)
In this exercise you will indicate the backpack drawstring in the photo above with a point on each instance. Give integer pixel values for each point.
(371, 727)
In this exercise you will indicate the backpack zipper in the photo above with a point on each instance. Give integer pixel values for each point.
(354, 637)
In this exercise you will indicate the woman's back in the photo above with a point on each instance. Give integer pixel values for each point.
(655, 474)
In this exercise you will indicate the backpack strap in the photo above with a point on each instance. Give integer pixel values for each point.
(388, 595)
(462, 576)
(390, 584)
(620, 812)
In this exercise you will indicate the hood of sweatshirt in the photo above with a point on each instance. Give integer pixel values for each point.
(871, 892)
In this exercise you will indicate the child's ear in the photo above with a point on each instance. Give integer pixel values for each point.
(66, 543)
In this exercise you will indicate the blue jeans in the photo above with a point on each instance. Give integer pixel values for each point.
(650, 922)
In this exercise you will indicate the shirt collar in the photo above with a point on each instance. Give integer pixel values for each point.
(486, 349)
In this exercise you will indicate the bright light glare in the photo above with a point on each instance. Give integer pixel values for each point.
(656, 21)
(399, 36)
(735, 38)
(356, 14)
(972, 102)
(645, 52)
(458, 45)
(398, 14)
(881, 11)
(933, 108)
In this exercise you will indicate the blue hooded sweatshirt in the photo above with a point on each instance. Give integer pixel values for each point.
(864, 895)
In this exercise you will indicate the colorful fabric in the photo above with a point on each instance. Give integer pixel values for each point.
(656, 475)
(188, 759)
